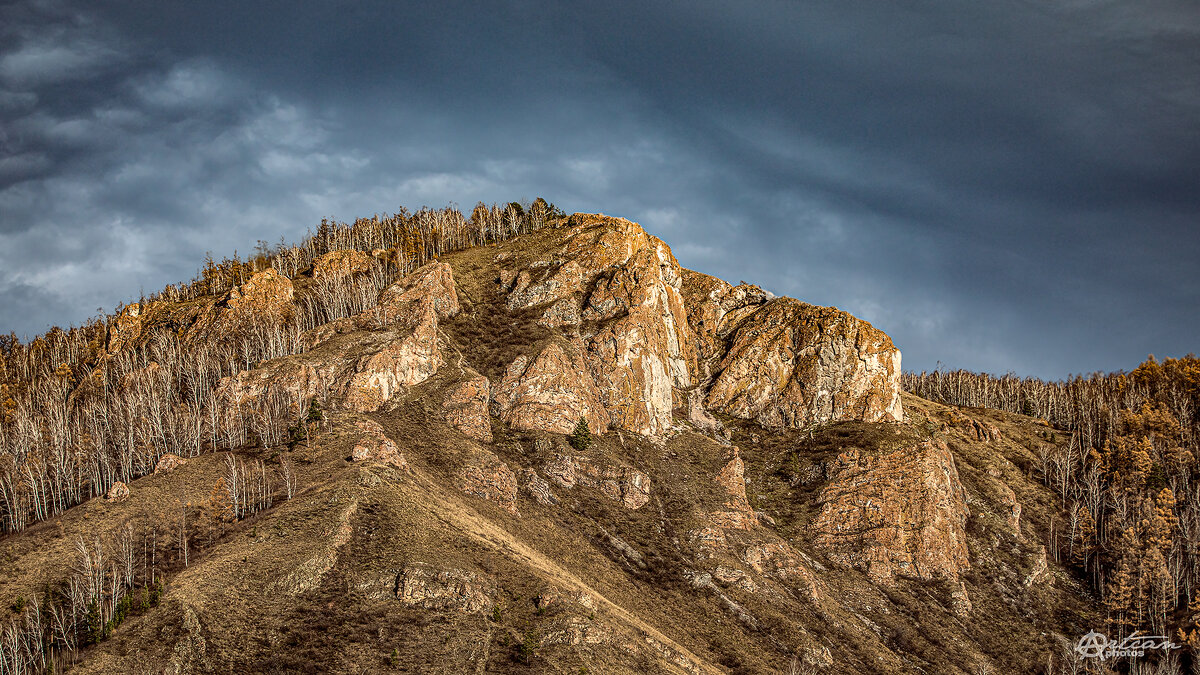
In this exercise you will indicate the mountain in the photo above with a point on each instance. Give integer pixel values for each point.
(544, 448)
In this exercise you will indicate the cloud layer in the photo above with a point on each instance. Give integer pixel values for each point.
(1004, 187)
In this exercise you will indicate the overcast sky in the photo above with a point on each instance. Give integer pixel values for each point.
(1001, 186)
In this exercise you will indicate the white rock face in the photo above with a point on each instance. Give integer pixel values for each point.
(652, 333)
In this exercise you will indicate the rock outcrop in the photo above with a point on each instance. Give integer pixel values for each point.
(737, 513)
(432, 588)
(793, 364)
(119, 492)
(338, 264)
(126, 328)
(894, 513)
(608, 272)
(168, 463)
(623, 484)
(550, 392)
(375, 446)
(404, 362)
(466, 408)
(265, 299)
(279, 386)
(651, 332)
(484, 475)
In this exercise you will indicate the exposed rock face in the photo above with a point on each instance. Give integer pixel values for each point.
(738, 514)
(485, 476)
(623, 484)
(651, 331)
(168, 463)
(792, 364)
(126, 328)
(282, 383)
(405, 362)
(375, 446)
(609, 270)
(466, 408)
(896, 513)
(265, 299)
(538, 488)
(1012, 507)
(338, 264)
(431, 284)
(714, 308)
(550, 392)
(119, 492)
(438, 589)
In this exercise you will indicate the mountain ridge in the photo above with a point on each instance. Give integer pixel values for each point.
(760, 494)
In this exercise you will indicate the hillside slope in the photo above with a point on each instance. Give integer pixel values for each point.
(758, 495)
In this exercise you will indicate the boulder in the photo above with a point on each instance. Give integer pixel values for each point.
(118, 492)
(168, 463)
(891, 513)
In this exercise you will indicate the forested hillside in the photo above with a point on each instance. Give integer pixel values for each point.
(1124, 461)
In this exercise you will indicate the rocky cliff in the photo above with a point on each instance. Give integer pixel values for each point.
(754, 496)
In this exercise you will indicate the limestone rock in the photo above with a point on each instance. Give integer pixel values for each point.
(440, 589)
(738, 515)
(264, 299)
(375, 446)
(484, 475)
(168, 463)
(792, 364)
(538, 488)
(550, 392)
(338, 264)
(466, 408)
(619, 483)
(404, 362)
(119, 492)
(126, 328)
(609, 270)
(895, 513)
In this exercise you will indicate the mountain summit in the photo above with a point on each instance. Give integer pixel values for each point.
(555, 450)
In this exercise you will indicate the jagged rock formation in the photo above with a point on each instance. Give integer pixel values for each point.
(894, 513)
(264, 299)
(652, 330)
(746, 450)
(550, 392)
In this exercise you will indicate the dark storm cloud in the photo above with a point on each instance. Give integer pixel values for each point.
(1004, 186)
